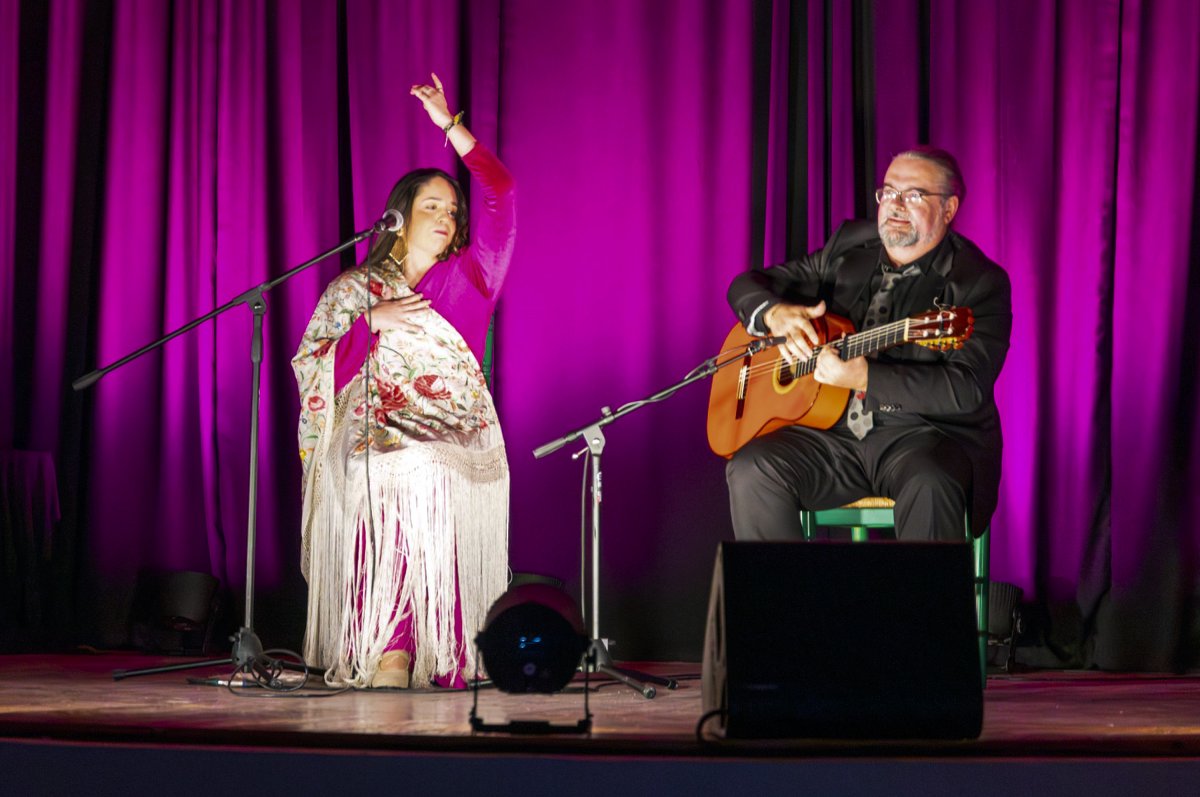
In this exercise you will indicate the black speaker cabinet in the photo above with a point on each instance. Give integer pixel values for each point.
(843, 641)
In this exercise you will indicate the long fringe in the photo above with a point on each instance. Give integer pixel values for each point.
(440, 520)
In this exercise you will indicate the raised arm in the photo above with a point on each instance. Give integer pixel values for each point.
(493, 231)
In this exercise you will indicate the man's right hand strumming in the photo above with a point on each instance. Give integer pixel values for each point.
(794, 322)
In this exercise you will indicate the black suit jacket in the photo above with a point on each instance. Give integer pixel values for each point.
(952, 391)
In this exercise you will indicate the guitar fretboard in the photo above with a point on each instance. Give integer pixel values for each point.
(860, 344)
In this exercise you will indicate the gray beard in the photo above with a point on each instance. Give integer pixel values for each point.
(898, 240)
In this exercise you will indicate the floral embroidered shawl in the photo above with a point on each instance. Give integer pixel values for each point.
(423, 426)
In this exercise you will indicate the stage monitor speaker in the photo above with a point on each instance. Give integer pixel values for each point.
(175, 612)
(843, 641)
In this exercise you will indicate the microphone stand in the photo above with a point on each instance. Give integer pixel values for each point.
(247, 651)
(598, 656)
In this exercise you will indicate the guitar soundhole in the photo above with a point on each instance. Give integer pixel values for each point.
(786, 374)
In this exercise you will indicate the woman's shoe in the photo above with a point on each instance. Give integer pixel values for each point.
(393, 671)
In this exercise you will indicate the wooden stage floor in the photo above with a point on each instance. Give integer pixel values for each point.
(1035, 724)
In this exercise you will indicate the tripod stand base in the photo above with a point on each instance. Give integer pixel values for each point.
(246, 655)
(187, 665)
(599, 660)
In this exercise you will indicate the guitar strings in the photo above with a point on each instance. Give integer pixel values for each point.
(868, 339)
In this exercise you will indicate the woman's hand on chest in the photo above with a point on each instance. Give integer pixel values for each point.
(407, 312)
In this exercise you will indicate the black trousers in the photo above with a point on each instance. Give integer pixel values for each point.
(773, 477)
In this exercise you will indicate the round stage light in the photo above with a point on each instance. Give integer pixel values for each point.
(532, 640)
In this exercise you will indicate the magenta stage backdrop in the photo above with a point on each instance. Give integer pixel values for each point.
(157, 159)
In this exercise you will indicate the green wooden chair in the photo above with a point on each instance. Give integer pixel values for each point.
(876, 512)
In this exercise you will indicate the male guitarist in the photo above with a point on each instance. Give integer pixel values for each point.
(920, 426)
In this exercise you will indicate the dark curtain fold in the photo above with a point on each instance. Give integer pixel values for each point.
(1152, 530)
(156, 159)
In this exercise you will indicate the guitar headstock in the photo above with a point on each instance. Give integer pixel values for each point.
(942, 329)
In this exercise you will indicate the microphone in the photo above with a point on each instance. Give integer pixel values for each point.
(391, 221)
(761, 344)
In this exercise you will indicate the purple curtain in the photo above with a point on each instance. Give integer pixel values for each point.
(1154, 397)
(628, 127)
(157, 159)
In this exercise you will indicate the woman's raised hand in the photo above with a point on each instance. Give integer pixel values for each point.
(434, 99)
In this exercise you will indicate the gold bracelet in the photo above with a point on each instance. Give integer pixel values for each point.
(454, 120)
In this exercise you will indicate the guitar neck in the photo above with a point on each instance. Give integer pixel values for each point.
(862, 344)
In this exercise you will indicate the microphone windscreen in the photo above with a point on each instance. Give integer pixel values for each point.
(392, 220)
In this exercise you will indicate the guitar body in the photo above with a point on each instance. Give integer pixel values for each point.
(764, 393)
(771, 397)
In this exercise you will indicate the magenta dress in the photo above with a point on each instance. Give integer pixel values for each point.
(465, 287)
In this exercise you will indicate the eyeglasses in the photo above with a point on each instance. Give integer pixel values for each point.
(913, 197)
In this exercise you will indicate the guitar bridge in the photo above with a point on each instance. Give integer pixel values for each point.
(743, 379)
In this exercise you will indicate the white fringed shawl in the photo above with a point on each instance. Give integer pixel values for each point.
(437, 513)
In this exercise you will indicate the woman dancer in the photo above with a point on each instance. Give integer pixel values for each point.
(405, 522)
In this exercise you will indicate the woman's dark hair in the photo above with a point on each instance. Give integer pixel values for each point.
(403, 194)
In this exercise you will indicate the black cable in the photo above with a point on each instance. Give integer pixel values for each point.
(705, 717)
(265, 669)
(686, 677)
(293, 694)
(264, 673)
(632, 405)
(583, 507)
(368, 377)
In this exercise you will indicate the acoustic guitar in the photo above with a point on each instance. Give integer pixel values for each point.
(765, 393)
